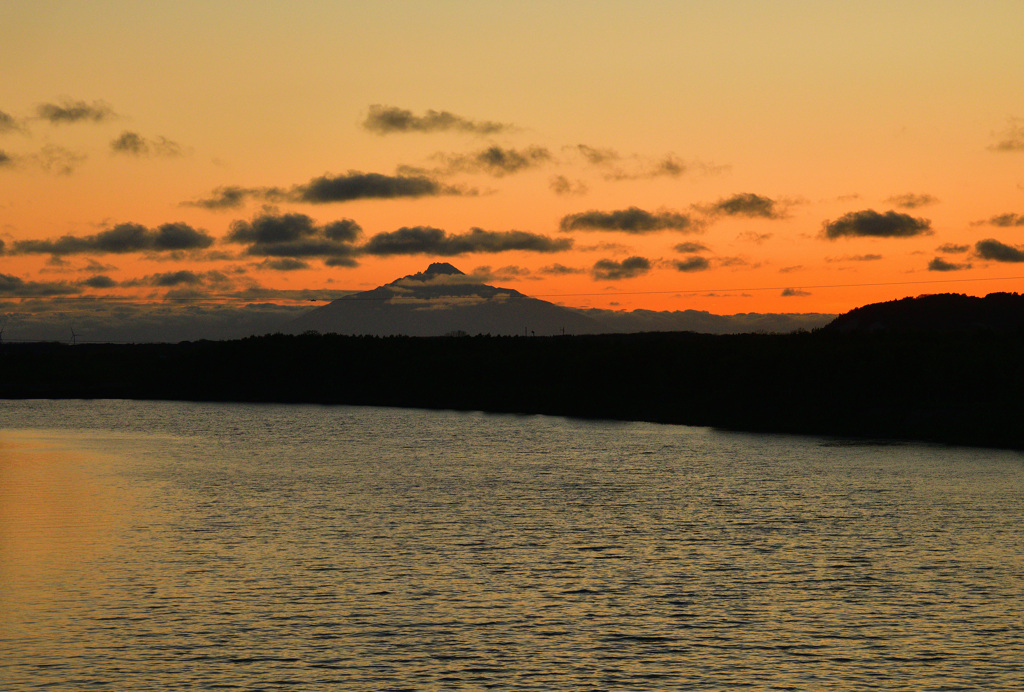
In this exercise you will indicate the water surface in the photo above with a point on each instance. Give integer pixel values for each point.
(154, 545)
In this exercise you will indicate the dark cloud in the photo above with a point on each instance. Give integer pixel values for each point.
(951, 249)
(284, 264)
(668, 166)
(631, 220)
(690, 247)
(754, 237)
(597, 157)
(329, 188)
(561, 185)
(911, 200)
(940, 265)
(794, 292)
(610, 270)
(561, 270)
(122, 238)
(74, 111)
(178, 278)
(234, 196)
(735, 262)
(16, 287)
(135, 144)
(496, 161)
(788, 270)
(295, 235)
(1012, 138)
(388, 119)
(692, 264)
(870, 223)
(99, 281)
(747, 204)
(5, 158)
(992, 249)
(424, 240)
(341, 262)
(1005, 220)
(355, 185)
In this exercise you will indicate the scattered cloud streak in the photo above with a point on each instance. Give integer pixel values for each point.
(870, 223)
(794, 293)
(68, 111)
(58, 160)
(1004, 220)
(425, 240)
(631, 220)
(561, 185)
(122, 238)
(136, 145)
(692, 264)
(749, 205)
(232, 197)
(940, 265)
(495, 160)
(1012, 138)
(327, 188)
(16, 287)
(389, 119)
(561, 270)
(629, 268)
(690, 247)
(911, 200)
(355, 185)
(8, 123)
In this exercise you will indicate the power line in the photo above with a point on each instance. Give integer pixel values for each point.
(781, 288)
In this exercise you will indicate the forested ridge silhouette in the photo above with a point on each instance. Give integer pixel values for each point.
(955, 387)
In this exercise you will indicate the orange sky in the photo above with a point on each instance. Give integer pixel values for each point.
(731, 157)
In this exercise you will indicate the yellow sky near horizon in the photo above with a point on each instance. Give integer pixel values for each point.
(757, 123)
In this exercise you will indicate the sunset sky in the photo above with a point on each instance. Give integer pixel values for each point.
(725, 156)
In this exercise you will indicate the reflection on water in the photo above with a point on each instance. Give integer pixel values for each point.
(158, 545)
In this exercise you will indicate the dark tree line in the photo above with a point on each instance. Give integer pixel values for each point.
(960, 387)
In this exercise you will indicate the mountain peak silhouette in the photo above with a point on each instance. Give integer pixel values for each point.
(442, 268)
(442, 300)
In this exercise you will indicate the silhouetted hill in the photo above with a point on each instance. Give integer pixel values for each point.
(945, 312)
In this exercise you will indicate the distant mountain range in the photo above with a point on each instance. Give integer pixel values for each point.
(443, 300)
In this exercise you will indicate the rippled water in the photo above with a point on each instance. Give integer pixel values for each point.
(151, 545)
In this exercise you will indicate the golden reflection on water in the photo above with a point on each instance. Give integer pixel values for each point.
(54, 519)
